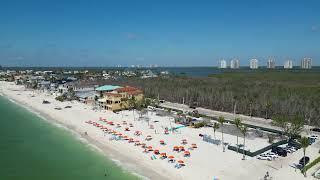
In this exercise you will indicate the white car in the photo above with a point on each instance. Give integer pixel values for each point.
(272, 155)
(264, 157)
(314, 136)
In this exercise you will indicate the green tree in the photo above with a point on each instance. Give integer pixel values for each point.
(215, 127)
(268, 107)
(244, 130)
(250, 104)
(237, 123)
(304, 141)
(290, 125)
(132, 105)
(221, 120)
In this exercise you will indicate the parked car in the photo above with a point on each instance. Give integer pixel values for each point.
(315, 129)
(314, 136)
(311, 140)
(272, 155)
(294, 143)
(289, 149)
(304, 160)
(280, 151)
(264, 157)
(151, 108)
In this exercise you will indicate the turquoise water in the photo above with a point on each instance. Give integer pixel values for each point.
(33, 149)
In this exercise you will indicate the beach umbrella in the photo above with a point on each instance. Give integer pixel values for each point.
(171, 157)
(186, 153)
(181, 162)
(163, 154)
(161, 141)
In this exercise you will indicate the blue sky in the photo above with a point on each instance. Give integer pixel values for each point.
(166, 32)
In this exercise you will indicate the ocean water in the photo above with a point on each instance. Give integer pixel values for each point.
(33, 149)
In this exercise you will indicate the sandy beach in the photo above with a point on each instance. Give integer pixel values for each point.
(206, 162)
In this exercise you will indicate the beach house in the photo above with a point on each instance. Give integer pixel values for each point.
(115, 98)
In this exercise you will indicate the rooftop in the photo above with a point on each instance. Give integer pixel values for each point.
(127, 89)
(107, 88)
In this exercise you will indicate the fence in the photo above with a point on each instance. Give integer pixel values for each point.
(252, 154)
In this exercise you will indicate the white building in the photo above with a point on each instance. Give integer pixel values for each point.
(271, 64)
(288, 64)
(306, 63)
(254, 64)
(234, 64)
(222, 64)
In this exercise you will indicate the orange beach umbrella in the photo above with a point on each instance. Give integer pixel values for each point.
(180, 162)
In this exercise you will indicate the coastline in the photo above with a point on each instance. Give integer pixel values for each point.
(126, 163)
(208, 161)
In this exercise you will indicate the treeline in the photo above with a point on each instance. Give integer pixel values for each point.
(261, 94)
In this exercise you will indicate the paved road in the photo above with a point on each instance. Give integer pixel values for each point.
(229, 116)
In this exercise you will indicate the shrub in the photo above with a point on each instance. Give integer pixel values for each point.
(310, 165)
(60, 98)
(200, 124)
(270, 138)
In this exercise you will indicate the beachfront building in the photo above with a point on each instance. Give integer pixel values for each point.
(222, 64)
(234, 64)
(115, 98)
(254, 64)
(306, 63)
(87, 97)
(288, 64)
(271, 64)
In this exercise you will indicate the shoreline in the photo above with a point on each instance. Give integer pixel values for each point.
(206, 162)
(126, 163)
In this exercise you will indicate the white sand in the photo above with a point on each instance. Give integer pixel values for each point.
(206, 162)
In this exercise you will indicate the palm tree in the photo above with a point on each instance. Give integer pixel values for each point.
(244, 130)
(304, 141)
(215, 127)
(132, 105)
(237, 123)
(221, 121)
